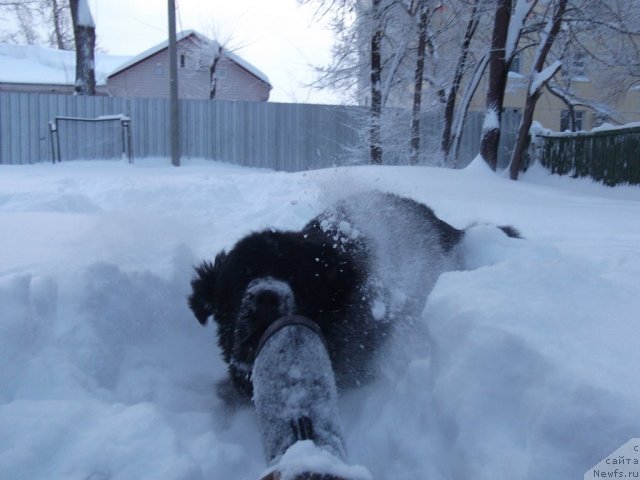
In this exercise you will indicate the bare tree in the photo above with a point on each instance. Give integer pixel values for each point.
(464, 104)
(375, 145)
(367, 57)
(61, 36)
(508, 29)
(85, 37)
(498, 70)
(461, 65)
(38, 22)
(423, 13)
(539, 77)
(23, 14)
(216, 54)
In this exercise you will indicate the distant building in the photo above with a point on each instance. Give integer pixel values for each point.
(147, 74)
(552, 112)
(26, 68)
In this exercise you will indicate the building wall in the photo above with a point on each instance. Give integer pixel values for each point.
(235, 83)
(150, 78)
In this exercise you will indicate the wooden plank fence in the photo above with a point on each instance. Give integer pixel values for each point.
(290, 137)
(608, 156)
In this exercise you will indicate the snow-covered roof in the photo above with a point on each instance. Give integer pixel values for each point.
(181, 36)
(48, 66)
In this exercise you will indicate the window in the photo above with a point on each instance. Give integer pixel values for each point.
(183, 61)
(159, 70)
(204, 62)
(221, 73)
(565, 120)
(578, 65)
(515, 64)
(575, 66)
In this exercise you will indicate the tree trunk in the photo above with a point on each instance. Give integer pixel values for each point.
(84, 32)
(213, 79)
(450, 102)
(461, 117)
(523, 138)
(418, 78)
(376, 87)
(534, 90)
(498, 71)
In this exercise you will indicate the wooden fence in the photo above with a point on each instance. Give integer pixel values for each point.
(608, 156)
(290, 137)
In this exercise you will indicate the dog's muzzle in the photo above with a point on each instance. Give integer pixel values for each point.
(265, 300)
(268, 299)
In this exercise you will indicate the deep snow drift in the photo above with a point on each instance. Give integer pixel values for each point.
(523, 366)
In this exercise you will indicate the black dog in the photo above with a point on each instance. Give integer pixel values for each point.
(354, 270)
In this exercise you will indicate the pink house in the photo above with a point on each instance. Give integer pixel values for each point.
(147, 74)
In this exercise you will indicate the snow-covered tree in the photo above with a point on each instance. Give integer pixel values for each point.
(367, 55)
(592, 40)
(84, 30)
(449, 135)
(540, 75)
(376, 33)
(508, 28)
(423, 18)
(383, 56)
(431, 56)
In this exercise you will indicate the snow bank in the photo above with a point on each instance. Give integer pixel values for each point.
(523, 365)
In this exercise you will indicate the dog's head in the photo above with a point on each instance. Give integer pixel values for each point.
(265, 276)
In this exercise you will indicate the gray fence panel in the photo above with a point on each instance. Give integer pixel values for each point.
(288, 137)
(508, 135)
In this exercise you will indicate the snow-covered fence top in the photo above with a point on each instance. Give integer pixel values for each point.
(608, 155)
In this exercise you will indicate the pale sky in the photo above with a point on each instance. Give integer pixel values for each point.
(279, 37)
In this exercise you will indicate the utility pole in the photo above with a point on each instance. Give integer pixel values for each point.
(174, 121)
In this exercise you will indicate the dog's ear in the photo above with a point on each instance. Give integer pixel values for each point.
(202, 299)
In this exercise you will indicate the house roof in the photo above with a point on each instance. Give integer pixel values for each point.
(29, 64)
(181, 36)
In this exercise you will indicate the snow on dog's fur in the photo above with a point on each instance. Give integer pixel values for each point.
(356, 269)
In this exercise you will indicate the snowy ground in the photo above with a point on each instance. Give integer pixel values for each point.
(524, 365)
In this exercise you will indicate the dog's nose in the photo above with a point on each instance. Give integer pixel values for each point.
(267, 302)
(266, 299)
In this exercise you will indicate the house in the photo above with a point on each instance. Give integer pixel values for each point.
(147, 74)
(27, 68)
